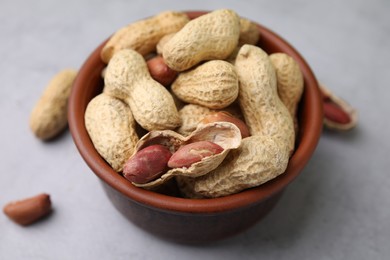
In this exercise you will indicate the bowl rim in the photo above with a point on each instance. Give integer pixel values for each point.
(312, 130)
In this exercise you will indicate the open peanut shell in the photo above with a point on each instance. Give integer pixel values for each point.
(225, 134)
(345, 106)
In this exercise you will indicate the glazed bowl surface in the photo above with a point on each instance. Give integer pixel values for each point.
(169, 216)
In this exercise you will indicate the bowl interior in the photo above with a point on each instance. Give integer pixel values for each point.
(89, 83)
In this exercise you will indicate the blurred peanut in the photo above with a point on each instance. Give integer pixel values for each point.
(49, 115)
(27, 211)
(249, 33)
(335, 114)
(338, 114)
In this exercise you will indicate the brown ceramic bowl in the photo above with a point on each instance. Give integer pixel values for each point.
(195, 220)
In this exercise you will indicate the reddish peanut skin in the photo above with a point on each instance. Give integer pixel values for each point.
(27, 211)
(191, 153)
(160, 72)
(223, 116)
(335, 114)
(147, 164)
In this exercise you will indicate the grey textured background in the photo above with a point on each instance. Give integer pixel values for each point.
(339, 207)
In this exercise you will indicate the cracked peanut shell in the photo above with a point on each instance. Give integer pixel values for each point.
(224, 134)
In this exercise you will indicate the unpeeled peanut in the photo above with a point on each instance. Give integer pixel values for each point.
(191, 115)
(143, 36)
(213, 84)
(49, 116)
(290, 82)
(29, 210)
(111, 127)
(191, 153)
(264, 112)
(147, 164)
(249, 33)
(162, 42)
(210, 36)
(128, 78)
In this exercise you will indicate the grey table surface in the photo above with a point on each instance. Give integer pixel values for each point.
(338, 208)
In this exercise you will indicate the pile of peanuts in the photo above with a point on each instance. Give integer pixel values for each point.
(217, 110)
(217, 113)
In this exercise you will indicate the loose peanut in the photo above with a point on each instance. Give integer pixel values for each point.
(111, 127)
(191, 153)
(143, 36)
(223, 116)
(338, 114)
(213, 84)
(29, 210)
(210, 36)
(49, 116)
(147, 164)
(290, 82)
(128, 79)
(160, 72)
